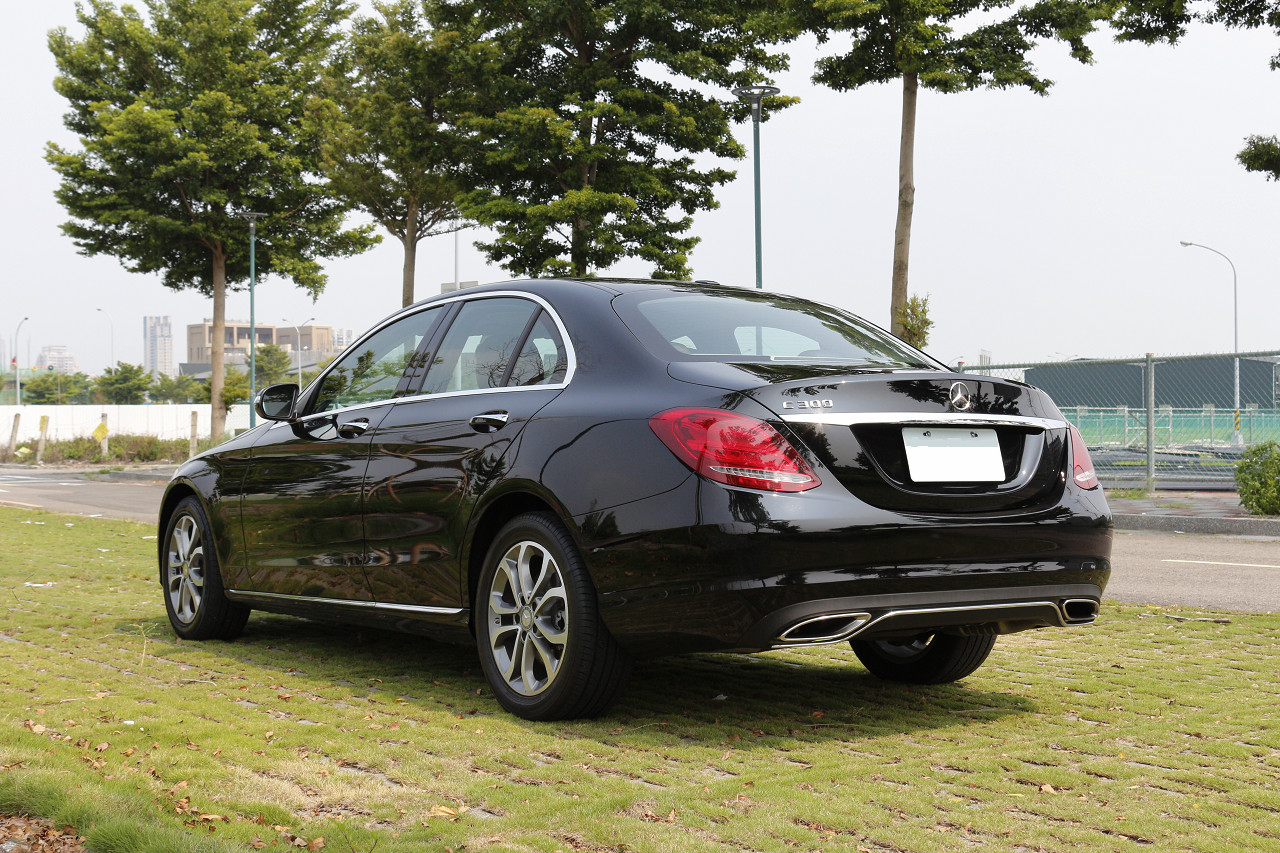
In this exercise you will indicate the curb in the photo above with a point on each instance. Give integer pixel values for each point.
(1198, 524)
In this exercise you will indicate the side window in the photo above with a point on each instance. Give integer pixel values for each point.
(542, 359)
(479, 345)
(371, 372)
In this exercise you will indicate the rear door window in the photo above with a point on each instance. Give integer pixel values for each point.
(477, 351)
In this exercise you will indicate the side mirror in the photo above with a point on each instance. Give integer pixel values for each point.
(276, 402)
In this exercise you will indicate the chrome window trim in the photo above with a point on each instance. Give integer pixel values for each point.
(570, 354)
(911, 418)
(378, 606)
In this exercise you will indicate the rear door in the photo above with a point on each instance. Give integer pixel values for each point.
(502, 359)
(303, 491)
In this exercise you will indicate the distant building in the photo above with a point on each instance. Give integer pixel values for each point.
(314, 339)
(343, 338)
(157, 346)
(57, 358)
(235, 338)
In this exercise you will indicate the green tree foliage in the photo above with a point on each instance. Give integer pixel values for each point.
(234, 390)
(914, 321)
(272, 364)
(588, 117)
(177, 389)
(391, 146)
(52, 387)
(946, 46)
(124, 384)
(187, 118)
(1167, 20)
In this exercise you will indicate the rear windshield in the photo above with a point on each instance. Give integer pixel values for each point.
(705, 325)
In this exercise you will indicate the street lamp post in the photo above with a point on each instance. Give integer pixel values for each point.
(755, 94)
(111, 324)
(1236, 438)
(17, 376)
(252, 218)
(298, 330)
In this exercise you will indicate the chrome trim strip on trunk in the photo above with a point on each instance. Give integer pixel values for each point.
(939, 418)
(381, 607)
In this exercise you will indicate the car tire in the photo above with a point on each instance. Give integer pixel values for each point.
(543, 647)
(928, 659)
(189, 575)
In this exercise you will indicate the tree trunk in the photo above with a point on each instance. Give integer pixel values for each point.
(410, 241)
(906, 203)
(218, 350)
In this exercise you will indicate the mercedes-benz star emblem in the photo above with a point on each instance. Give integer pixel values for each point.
(960, 400)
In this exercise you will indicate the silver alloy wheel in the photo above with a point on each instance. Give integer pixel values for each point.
(185, 579)
(528, 618)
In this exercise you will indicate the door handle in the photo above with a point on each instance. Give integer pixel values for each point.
(489, 421)
(353, 429)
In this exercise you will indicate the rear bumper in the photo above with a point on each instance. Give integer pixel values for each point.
(764, 571)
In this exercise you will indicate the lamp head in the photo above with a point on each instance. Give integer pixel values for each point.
(1186, 243)
(755, 94)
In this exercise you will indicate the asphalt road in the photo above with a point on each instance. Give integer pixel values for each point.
(1220, 572)
(82, 494)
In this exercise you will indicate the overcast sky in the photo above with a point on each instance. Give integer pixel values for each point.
(1045, 227)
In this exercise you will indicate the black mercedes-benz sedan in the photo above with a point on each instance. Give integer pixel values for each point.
(572, 473)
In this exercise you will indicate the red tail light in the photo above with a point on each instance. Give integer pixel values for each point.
(734, 449)
(1081, 464)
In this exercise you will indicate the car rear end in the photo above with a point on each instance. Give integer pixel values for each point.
(852, 499)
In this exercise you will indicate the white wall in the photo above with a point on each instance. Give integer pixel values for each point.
(163, 420)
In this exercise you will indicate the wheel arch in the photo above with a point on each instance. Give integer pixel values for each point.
(174, 495)
(489, 520)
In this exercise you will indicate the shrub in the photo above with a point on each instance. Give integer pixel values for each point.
(120, 448)
(1258, 478)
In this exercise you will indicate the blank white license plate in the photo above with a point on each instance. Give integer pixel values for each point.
(951, 455)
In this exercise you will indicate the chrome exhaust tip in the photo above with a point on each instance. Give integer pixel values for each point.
(1079, 611)
(831, 628)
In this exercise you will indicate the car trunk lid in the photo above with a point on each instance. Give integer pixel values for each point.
(914, 441)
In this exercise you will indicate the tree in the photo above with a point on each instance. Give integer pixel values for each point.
(587, 118)
(272, 364)
(54, 387)
(947, 46)
(391, 147)
(124, 384)
(1167, 20)
(187, 120)
(915, 322)
(182, 388)
(234, 390)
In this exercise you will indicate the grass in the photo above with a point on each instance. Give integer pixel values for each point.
(1129, 494)
(1141, 731)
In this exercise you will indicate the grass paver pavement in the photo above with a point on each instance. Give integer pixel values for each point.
(1152, 729)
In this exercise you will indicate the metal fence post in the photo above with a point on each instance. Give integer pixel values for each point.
(195, 420)
(1150, 395)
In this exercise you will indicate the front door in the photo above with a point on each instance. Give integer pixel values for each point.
(303, 499)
